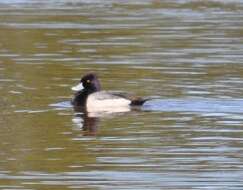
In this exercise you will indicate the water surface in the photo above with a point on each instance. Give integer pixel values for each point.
(188, 53)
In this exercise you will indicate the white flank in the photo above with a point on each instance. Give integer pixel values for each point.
(106, 104)
(78, 87)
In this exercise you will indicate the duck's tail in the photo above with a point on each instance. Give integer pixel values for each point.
(140, 101)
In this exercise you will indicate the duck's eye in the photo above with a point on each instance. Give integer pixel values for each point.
(88, 81)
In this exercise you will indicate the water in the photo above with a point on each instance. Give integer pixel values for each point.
(188, 53)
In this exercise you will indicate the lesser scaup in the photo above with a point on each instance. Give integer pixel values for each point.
(90, 96)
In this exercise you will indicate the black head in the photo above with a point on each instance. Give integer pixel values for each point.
(89, 83)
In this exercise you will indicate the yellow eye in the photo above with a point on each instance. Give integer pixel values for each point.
(88, 81)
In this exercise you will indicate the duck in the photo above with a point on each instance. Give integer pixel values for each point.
(88, 95)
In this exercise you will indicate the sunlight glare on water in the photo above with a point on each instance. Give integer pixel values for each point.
(187, 54)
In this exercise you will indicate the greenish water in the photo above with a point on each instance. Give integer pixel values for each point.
(188, 53)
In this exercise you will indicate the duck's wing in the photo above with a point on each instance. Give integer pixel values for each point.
(117, 95)
(103, 95)
(135, 100)
(121, 94)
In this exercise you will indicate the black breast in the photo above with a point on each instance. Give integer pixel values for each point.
(80, 99)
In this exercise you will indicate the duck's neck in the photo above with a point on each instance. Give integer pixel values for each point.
(95, 87)
(92, 90)
(80, 98)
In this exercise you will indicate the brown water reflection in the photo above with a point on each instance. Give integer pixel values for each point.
(187, 52)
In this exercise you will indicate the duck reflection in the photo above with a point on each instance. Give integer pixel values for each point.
(88, 122)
